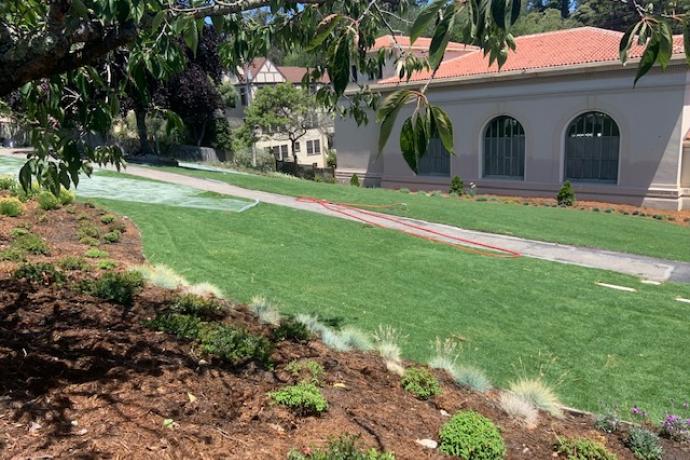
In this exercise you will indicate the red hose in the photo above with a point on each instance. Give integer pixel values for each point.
(341, 208)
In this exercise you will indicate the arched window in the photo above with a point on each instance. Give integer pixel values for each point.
(504, 148)
(591, 148)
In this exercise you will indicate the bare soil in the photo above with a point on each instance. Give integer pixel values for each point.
(84, 378)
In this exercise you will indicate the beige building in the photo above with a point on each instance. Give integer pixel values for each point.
(562, 108)
(313, 146)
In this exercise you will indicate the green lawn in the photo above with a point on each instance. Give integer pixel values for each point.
(615, 232)
(610, 346)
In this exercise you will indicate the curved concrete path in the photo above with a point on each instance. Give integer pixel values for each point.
(647, 268)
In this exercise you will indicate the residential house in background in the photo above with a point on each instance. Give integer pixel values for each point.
(562, 108)
(314, 145)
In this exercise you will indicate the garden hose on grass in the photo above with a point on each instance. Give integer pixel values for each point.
(464, 244)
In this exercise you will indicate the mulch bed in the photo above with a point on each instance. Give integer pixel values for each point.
(84, 378)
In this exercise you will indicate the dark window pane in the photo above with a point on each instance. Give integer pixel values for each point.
(592, 147)
(504, 148)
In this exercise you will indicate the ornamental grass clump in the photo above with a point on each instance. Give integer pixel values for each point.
(387, 344)
(470, 436)
(583, 449)
(161, 275)
(47, 201)
(445, 354)
(264, 310)
(471, 377)
(204, 289)
(352, 338)
(518, 408)
(303, 398)
(537, 393)
(420, 382)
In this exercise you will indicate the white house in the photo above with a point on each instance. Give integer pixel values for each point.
(562, 108)
(313, 146)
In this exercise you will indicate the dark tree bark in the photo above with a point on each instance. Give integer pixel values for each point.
(143, 132)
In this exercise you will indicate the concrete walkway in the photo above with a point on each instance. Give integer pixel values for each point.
(647, 268)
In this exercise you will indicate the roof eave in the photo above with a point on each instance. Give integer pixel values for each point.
(677, 59)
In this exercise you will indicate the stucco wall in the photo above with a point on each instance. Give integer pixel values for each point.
(652, 118)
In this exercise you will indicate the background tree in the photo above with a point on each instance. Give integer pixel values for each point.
(282, 108)
(61, 54)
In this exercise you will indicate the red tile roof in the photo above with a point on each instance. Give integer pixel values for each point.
(295, 74)
(421, 44)
(561, 48)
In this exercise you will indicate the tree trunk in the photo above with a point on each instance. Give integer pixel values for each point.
(565, 8)
(142, 130)
(201, 134)
(292, 146)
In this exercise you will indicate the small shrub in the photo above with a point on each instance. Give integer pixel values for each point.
(471, 436)
(354, 180)
(179, 325)
(583, 449)
(88, 230)
(262, 308)
(304, 398)
(112, 237)
(72, 263)
(65, 197)
(235, 346)
(118, 226)
(471, 377)
(107, 219)
(420, 382)
(291, 329)
(42, 273)
(95, 253)
(19, 232)
(7, 183)
(675, 427)
(119, 288)
(644, 444)
(538, 394)
(306, 371)
(13, 254)
(343, 448)
(518, 408)
(106, 264)
(404, 190)
(608, 422)
(199, 306)
(11, 207)
(88, 241)
(566, 195)
(457, 186)
(32, 244)
(47, 201)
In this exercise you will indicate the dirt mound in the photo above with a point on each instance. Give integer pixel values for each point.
(85, 378)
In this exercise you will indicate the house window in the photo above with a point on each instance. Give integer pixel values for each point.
(284, 151)
(243, 95)
(436, 160)
(592, 148)
(297, 147)
(504, 148)
(314, 147)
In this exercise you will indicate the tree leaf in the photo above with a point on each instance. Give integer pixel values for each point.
(78, 8)
(498, 11)
(665, 44)
(515, 11)
(421, 133)
(191, 36)
(325, 28)
(158, 20)
(425, 18)
(339, 70)
(387, 114)
(25, 177)
(444, 128)
(407, 144)
(440, 39)
(648, 57)
(626, 41)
